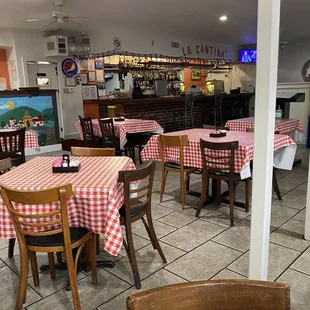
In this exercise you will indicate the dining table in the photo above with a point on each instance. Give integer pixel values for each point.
(31, 139)
(284, 149)
(124, 127)
(97, 198)
(285, 126)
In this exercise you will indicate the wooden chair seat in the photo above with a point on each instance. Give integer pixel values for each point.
(177, 166)
(133, 211)
(76, 233)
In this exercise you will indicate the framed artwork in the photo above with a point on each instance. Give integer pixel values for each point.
(89, 92)
(92, 76)
(83, 65)
(84, 78)
(91, 64)
(99, 64)
(70, 82)
(99, 76)
(196, 75)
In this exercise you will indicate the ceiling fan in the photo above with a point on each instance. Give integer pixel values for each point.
(59, 16)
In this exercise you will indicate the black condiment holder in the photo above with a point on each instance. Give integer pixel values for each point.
(218, 135)
(68, 169)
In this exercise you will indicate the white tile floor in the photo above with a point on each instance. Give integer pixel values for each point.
(195, 249)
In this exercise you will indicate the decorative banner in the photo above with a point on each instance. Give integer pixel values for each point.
(116, 43)
(69, 67)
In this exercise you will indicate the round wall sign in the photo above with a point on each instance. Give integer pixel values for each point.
(69, 67)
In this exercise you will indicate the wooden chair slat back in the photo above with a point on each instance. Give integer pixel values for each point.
(12, 142)
(212, 160)
(141, 196)
(45, 222)
(91, 151)
(87, 126)
(172, 141)
(107, 131)
(215, 295)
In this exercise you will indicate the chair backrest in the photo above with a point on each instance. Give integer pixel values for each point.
(136, 197)
(38, 224)
(5, 164)
(12, 142)
(172, 141)
(214, 295)
(218, 157)
(108, 132)
(87, 127)
(276, 132)
(91, 151)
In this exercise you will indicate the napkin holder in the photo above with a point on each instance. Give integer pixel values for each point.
(64, 165)
(217, 134)
(119, 119)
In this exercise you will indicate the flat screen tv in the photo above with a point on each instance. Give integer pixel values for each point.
(248, 55)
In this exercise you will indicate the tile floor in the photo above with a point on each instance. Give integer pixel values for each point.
(196, 249)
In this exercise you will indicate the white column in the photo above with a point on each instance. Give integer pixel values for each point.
(265, 103)
(307, 221)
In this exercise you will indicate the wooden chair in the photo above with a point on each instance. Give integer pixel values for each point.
(137, 204)
(110, 140)
(275, 184)
(214, 295)
(12, 145)
(90, 139)
(221, 168)
(39, 233)
(91, 151)
(179, 142)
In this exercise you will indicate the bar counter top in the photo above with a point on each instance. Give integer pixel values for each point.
(163, 100)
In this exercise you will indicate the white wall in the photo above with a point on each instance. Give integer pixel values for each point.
(29, 46)
(138, 41)
(291, 61)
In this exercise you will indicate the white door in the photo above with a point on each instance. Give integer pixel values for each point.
(41, 73)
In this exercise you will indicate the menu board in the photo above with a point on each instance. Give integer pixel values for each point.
(89, 92)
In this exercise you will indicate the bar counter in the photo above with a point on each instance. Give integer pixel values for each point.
(169, 112)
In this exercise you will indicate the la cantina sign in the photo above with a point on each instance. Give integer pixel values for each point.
(204, 50)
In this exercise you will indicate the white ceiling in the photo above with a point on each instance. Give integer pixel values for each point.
(197, 19)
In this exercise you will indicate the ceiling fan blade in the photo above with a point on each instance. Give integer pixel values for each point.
(34, 20)
(51, 23)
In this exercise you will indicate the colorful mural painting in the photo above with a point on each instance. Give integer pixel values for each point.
(36, 113)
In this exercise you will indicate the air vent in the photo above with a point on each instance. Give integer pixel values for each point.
(175, 44)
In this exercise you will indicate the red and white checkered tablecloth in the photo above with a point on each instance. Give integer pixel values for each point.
(285, 126)
(192, 154)
(124, 127)
(97, 194)
(31, 139)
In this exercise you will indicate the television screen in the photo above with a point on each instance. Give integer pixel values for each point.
(248, 55)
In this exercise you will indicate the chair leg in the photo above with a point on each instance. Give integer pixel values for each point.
(164, 174)
(154, 237)
(34, 267)
(275, 184)
(11, 247)
(188, 176)
(93, 250)
(59, 257)
(51, 263)
(87, 254)
(140, 150)
(23, 279)
(97, 236)
(231, 202)
(72, 278)
(203, 196)
(182, 190)
(148, 232)
(132, 257)
(247, 195)
(218, 192)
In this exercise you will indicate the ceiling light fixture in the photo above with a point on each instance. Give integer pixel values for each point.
(223, 18)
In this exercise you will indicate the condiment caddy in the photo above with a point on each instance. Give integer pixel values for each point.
(64, 165)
